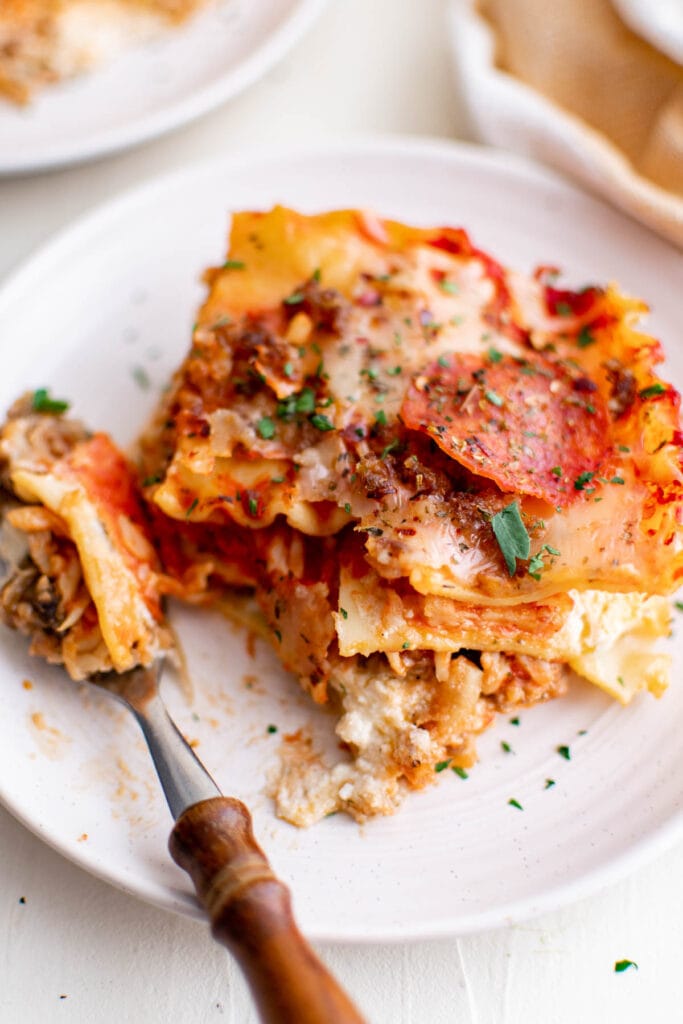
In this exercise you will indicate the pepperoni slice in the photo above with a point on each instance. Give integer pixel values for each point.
(532, 426)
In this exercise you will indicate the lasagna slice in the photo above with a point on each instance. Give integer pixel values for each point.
(84, 581)
(44, 41)
(448, 485)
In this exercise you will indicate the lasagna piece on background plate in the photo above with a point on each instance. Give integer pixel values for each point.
(44, 41)
(449, 486)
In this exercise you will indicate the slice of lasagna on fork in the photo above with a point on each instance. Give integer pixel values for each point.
(85, 585)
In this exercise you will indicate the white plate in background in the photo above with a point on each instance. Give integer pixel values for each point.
(153, 87)
(118, 292)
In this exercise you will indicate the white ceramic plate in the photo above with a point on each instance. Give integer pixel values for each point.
(117, 292)
(154, 87)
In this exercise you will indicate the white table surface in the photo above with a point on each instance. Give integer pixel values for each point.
(77, 950)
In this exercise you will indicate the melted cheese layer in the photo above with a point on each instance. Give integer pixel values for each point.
(606, 638)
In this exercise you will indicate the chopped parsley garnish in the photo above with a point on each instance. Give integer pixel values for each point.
(564, 752)
(549, 783)
(617, 480)
(583, 479)
(460, 771)
(493, 398)
(141, 378)
(288, 369)
(443, 361)
(506, 747)
(277, 479)
(253, 506)
(406, 643)
(563, 309)
(343, 612)
(678, 605)
(585, 338)
(537, 563)
(621, 681)
(441, 765)
(536, 567)
(515, 803)
(42, 402)
(511, 534)
(265, 428)
(192, 508)
(623, 448)
(557, 471)
(514, 721)
(623, 965)
(347, 508)
(450, 287)
(149, 481)
(381, 418)
(222, 321)
(392, 446)
(316, 275)
(494, 355)
(271, 729)
(305, 401)
(394, 371)
(321, 422)
(234, 265)
(654, 389)
(286, 407)
(294, 299)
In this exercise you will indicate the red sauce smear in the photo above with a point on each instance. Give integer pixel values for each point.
(106, 476)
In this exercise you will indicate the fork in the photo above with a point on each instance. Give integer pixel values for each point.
(248, 906)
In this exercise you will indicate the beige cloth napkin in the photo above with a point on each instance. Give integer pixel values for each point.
(580, 55)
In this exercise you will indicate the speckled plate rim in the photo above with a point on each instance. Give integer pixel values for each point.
(639, 855)
(654, 844)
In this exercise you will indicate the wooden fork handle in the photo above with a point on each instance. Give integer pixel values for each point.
(250, 913)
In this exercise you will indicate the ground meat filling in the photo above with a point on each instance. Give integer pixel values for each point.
(398, 727)
(44, 595)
